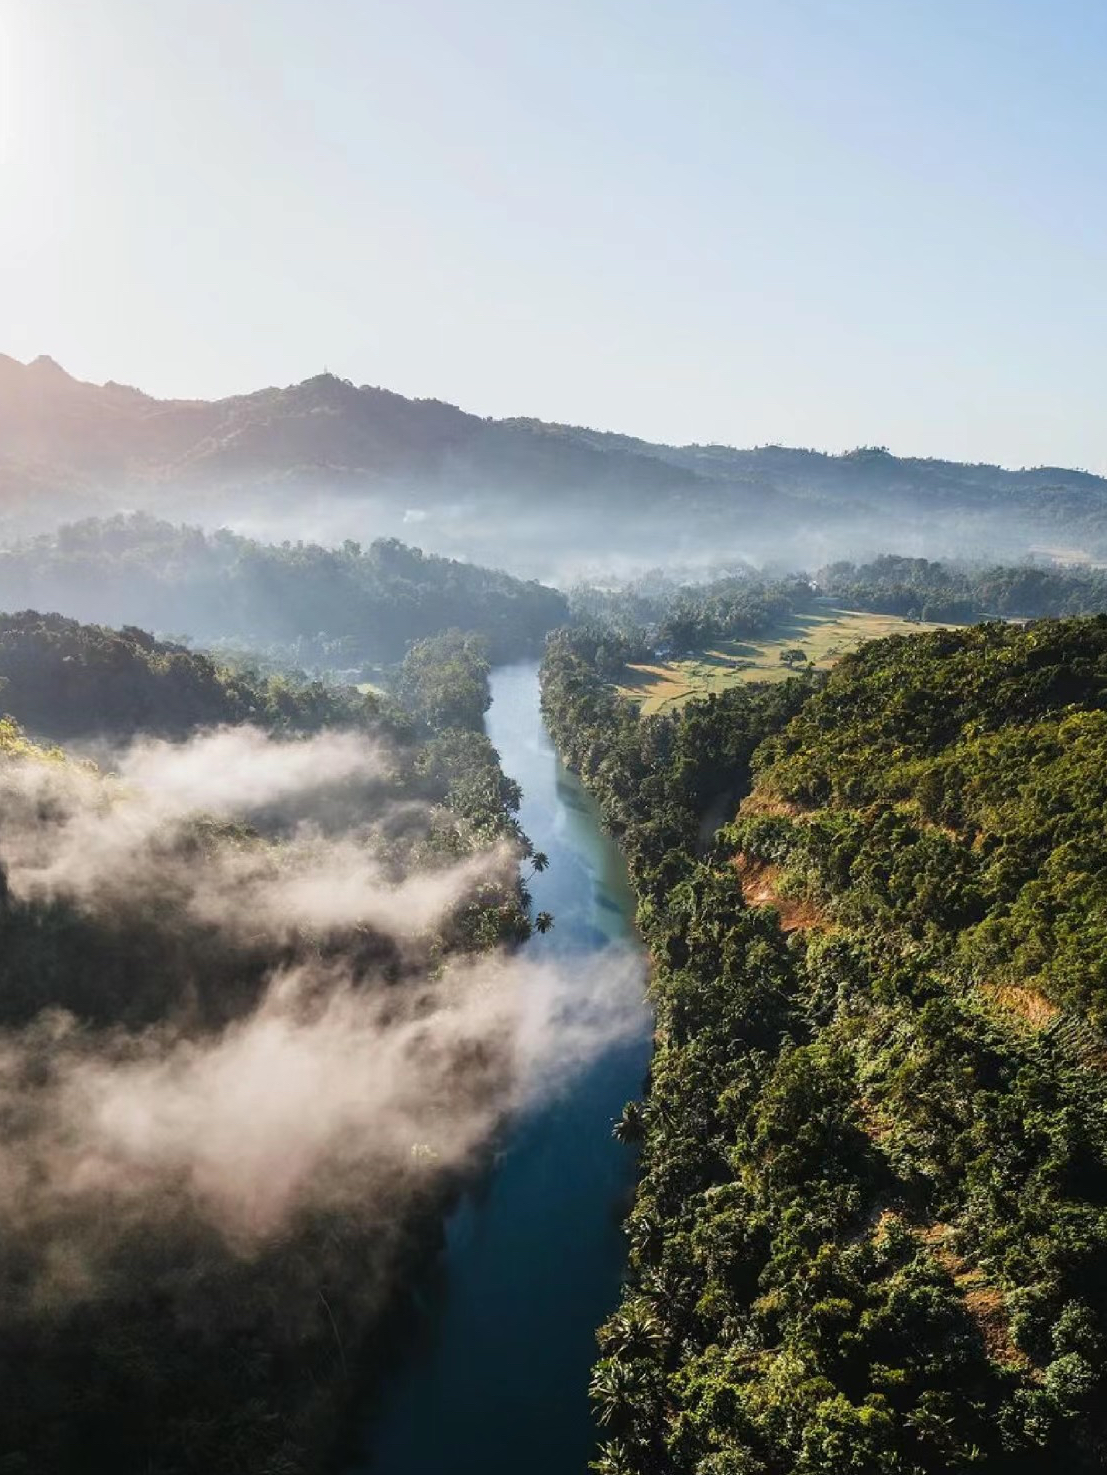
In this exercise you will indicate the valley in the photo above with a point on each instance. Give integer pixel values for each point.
(816, 638)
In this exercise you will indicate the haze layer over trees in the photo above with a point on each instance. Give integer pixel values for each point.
(329, 460)
(336, 607)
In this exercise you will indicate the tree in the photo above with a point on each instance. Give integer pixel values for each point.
(630, 1127)
(635, 1330)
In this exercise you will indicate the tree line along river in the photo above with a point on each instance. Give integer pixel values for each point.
(495, 1381)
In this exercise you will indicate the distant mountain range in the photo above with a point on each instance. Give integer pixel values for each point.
(69, 448)
(57, 427)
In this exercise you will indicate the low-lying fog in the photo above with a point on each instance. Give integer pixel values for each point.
(563, 544)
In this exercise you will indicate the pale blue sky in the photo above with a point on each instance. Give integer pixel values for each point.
(824, 222)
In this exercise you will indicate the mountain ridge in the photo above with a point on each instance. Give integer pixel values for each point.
(69, 448)
(313, 390)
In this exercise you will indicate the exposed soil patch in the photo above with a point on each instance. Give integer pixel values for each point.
(985, 1303)
(1031, 1006)
(760, 802)
(760, 884)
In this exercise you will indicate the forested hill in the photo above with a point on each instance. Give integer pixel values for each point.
(334, 607)
(67, 444)
(79, 434)
(62, 679)
(925, 589)
(257, 1021)
(975, 761)
(51, 420)
(870, 1233)
(653, 612)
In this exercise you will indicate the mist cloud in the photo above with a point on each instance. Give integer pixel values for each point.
(327, 1096)
(334, 1091)
(68, 832)
(236, 770)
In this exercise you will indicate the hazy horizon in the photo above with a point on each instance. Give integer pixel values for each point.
(457, 402)
(821, 226)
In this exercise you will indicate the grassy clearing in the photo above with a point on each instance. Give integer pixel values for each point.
(824, 636)
(1065, 555)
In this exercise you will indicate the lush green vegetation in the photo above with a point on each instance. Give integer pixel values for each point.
(444, 680)
(332, 608)
(683, 641)
(976, 759)
(157, 1343)
(61, 679)
(922, 589)
(675, 619)
(870, 1233)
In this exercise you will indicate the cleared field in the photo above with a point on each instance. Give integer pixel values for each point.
(1066, 556)
(823, 636)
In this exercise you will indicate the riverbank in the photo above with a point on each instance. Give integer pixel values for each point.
(498, 1372)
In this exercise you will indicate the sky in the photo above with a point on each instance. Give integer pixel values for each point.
(819, 222)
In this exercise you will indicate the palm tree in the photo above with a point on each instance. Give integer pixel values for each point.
(633, 1331)
(630, 1127)
(614, 1459)
(647, 1235)
(543, 922)
(617, 1392)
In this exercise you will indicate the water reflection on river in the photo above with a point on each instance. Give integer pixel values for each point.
(496, 1382)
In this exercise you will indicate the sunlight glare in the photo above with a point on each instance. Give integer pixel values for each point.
(13, 92)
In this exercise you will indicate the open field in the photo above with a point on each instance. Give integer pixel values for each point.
(823, 635)
(1066, 557)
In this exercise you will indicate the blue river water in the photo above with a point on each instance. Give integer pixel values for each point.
(496, 1381)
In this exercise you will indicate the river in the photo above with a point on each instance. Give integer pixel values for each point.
(496, 1382)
